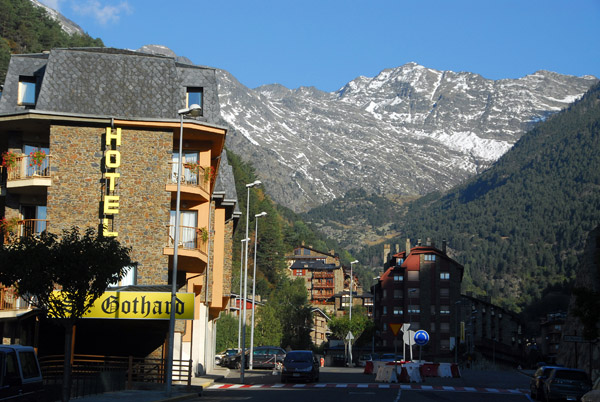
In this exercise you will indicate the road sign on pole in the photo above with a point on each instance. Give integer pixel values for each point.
(421, 337)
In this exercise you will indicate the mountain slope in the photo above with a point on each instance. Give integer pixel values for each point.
(409, 131)
(521, 225)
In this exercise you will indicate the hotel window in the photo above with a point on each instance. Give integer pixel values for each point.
(188, 223)
(194, 97)
(429, 257)
(412, 275)
(414, 310)
(444, 309)
(445, 275)
(445, 327)
(398, 311)
(27, 87)
(397, 293)
(398, 278)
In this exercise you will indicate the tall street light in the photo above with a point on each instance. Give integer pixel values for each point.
(351, 286)
(193, 111)
(243, 356)
(240, 300)
(254, 288)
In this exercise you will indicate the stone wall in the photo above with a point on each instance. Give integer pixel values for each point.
(74, 199)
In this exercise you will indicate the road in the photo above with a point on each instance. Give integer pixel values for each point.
(351, 385)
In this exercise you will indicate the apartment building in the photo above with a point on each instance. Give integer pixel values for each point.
(420, 287)
(93, 136)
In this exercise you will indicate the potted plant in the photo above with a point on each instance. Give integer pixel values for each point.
(209, 174)
(193, 166)
(203, 232)
(9, 228)
(36, 158)
(10, 159)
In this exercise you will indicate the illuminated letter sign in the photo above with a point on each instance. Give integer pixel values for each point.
(112, 161)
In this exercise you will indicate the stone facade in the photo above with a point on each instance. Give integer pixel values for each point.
(75, 197)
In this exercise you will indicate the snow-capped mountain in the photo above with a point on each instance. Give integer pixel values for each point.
(66, 24)
(409, 130)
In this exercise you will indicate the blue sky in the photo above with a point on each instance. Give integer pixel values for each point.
(326, 43)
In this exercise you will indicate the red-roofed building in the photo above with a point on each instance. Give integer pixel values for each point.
(421, 286)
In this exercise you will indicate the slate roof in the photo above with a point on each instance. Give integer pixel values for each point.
(312, 264)
(110, 82)
(224, 190)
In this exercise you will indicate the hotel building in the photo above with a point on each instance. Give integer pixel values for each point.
(106, 122)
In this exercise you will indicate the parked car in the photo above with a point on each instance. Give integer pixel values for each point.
(537, 381)
(363, 359)
(300, 365)
(594, 394)
(263, 357)
(566, 383)
(219, 356)
(390, 357)
(20, 374)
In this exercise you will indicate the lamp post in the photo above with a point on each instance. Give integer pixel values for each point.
(193, 110)
(240, 296)
(254, 288)
(456, 333)
(351, 286)
(243, 350)
(410, 337)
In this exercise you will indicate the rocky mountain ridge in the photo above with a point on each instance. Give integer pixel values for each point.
(408, 131)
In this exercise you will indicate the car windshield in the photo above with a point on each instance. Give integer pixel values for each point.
(297, 357)
(571, 375)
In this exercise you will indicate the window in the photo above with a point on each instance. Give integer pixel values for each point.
(445, 327)
(399, 261)
(298, 272)
(432, 329)
(432, 309)
(188, 222)
(27, 89)
(413, 293)
(397, 293)
(398, 278)
(445, 344)
(398, 311)
(445, 275)
(384, 293)
(414, 310)
(429, 257)
(412, 275)
(194, 97)
(306, 251)
(444, 292)
(384, 327)
(384, 310)
(444, 309)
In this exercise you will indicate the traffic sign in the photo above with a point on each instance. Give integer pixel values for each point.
(409, 337)
(349, 337)
(395, 328)
(421, 337)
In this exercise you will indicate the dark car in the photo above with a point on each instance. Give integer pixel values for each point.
(300, 365)
(20, 374)
(220, 356)
(263, 357)
(565, 383)
(537, 381)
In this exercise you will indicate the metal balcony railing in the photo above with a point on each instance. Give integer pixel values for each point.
(27, 169)
(191, 175)
(10, 299)
(190, 238)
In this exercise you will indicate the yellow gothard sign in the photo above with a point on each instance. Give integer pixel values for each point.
(142, 305)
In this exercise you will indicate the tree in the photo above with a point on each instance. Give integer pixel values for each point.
(227, 332)
(81, 266)
(340, 326)
(268, 329)
(290, 301)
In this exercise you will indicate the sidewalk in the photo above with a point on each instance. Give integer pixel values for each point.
(156, 393)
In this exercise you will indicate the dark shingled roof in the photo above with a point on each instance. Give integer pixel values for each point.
(225, 186)
(110, 82)
(312, 264)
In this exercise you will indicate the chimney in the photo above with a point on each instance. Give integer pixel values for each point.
(397, 248)
(386, 253)
(444, 246)
(407, 247)
(419, 242)
(428, 242)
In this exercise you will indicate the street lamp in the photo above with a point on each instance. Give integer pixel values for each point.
(351, 286)
(240, 296)
(243, 356)
(193, 110)
(254, 288)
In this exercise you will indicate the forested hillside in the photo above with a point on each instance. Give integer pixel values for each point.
(25, 28)
(520, 226)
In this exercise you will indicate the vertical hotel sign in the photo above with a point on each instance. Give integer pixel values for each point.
(112, 161)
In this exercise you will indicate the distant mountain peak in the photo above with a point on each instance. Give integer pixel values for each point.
(66, 24)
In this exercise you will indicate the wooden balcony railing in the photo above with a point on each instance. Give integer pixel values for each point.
(190, 238)
(325, 275)
(195, 176)
(25, 169)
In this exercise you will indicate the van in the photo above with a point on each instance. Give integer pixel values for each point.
(20, 374)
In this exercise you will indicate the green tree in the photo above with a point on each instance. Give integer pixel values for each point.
(81, 266)
(268, 329)
(227, 332)
(290, 301)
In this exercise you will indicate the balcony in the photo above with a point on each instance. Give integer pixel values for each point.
(11, 304)
(26, 176)
(25, 227)
(195, 180)
(191, 244)
(323, 275)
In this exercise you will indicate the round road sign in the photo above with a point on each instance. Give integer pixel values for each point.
(421, 337)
